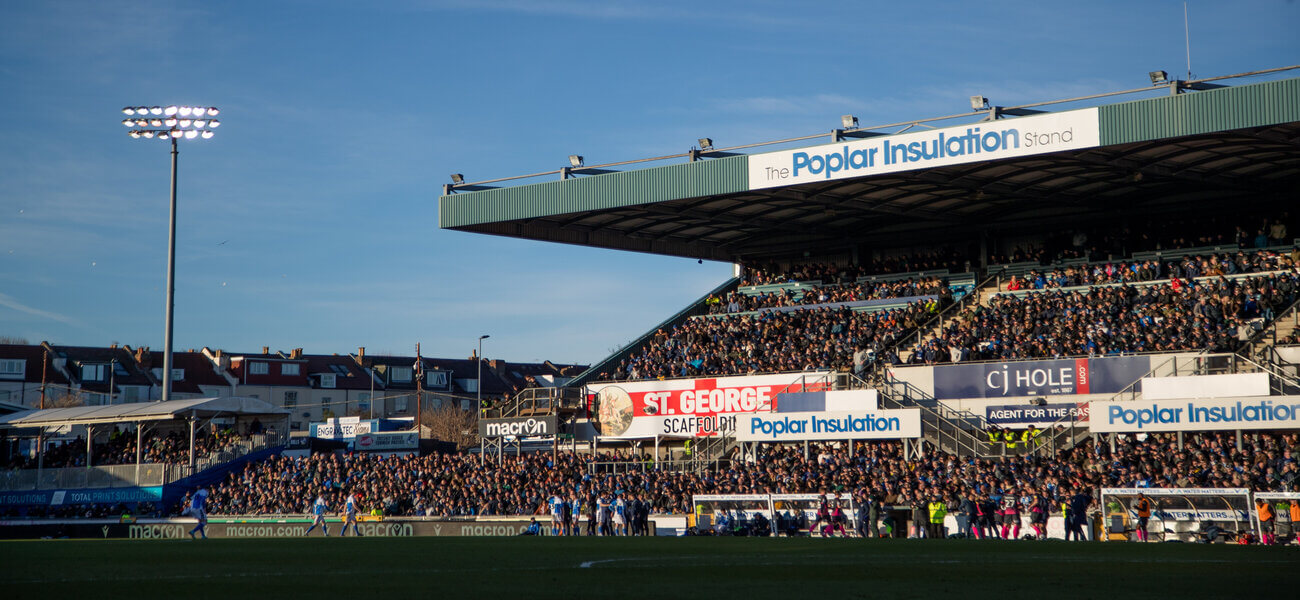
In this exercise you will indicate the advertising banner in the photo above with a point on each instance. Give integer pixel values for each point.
(1277, 412)
(519, 427)
(380, 442)
(168, 529)
(344, 428)
(634, 408)
(1039, 377)
(832, 401)
(1017, 414)
(848, 425)
(989, 140)
(82, 496)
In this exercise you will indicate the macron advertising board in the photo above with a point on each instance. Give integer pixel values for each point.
(642, 408)
(1039, 377)
(1277, 412)
(848, 425)
(975, 142)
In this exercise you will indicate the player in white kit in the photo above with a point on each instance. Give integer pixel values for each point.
(350, 515)
(196, 510)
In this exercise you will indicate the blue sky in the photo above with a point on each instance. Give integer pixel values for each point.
(310, 220)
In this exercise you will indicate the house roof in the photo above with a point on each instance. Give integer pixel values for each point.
(126, 371)
(33, 355)
(349, 375)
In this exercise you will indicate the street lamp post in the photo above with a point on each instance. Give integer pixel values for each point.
(478, 387)
(170, 123)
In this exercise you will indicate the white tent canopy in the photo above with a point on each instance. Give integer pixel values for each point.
(140, 411)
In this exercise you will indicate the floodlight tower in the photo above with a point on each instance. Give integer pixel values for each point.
(171, 123)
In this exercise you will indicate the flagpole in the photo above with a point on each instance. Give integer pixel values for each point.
(419, 392)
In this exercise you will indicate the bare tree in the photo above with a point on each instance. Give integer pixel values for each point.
(452, 424)
(14, 340)
(66, 398)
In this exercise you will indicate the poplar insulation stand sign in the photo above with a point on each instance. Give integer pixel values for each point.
(1177, 514)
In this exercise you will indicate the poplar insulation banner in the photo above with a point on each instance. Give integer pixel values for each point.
(975, 142)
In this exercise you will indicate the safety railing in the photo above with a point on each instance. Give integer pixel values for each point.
(538, 401)
(676, 466)
(951, 430)
(110, 476)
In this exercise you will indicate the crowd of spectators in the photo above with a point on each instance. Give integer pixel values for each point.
(1188, 267)
(828, 293)
(451, 485)
(806, 339)
(119, 449)
(1212, 315)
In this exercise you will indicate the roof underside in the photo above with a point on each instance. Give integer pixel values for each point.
(1236, 145)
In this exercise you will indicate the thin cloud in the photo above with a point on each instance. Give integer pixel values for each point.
(8, 301)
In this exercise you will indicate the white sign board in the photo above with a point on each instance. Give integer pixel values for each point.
(849, 425)
(1224, 414)
(1205, 386)
(1004, 138)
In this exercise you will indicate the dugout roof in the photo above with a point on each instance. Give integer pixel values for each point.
(140, 411)
(1198, 149)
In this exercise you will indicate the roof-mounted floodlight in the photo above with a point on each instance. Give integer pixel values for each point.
(575, 160)
(457, 178)
(706, 144)
(978, 103)
(171, 123)
(1158, 77)
(849, 121)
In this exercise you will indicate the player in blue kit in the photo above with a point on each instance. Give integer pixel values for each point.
(318, 508)
(196, 510)
(350, 516)
(556, 505)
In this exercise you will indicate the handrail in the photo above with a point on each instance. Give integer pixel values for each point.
(637, 343)
(935, 323)
(945, 423)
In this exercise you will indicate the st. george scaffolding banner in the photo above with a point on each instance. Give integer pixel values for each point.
(640, 408)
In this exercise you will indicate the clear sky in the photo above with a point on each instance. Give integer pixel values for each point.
(310, 220)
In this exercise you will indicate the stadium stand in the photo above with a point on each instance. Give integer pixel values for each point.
(460, 485)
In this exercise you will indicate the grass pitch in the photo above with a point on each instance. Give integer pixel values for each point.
(750, 568)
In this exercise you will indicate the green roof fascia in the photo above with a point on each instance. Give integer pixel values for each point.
(1195, 113)
(596, 192)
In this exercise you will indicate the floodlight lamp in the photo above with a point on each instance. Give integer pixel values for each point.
(169, 111)
(1158, 77)
(212, 111)
(135, 134)
(575, 160)
(128, 111)
(162, 135)
(200, 123)
(706, 143)
(849, 121)
(207, 135)
(147, 134)
(175, 133)
(170, 122)
(185, 122)
(184, 111)
(154, 110)
(128, 122)
(213, 124)
(457, 178)
(155, 122)
(191, 134)
(978, 102)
